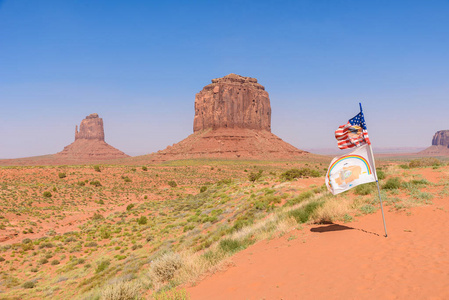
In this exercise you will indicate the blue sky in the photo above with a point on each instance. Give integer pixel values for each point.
(139, 64)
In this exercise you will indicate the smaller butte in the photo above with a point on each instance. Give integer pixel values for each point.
(89, 144)
(440, 144)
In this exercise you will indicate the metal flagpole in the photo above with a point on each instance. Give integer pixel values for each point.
(377, 181)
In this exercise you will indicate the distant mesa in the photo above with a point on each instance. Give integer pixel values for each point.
(89, 142)
(440, 144)
(233, 101)
(232, 120)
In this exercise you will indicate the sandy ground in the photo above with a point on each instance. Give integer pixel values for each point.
(344, 261)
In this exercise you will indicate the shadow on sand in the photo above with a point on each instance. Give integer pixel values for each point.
(337, 227)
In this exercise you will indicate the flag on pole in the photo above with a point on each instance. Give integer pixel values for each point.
(350, 170)
(357, 167)
(353, 133)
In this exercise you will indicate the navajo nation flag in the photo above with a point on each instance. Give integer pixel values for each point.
(353, 133)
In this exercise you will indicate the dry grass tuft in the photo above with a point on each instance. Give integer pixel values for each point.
(122, 290)
(163, 269)
(333, 209)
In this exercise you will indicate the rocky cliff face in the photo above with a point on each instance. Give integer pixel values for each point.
(91, 128)
(232, 120)
(232, 101)
(441, 138)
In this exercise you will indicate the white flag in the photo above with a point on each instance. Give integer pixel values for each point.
(350, 170)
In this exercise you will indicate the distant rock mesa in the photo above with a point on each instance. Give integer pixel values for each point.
(233, 101)
(232, 120)
(440, 144)
(89, 142)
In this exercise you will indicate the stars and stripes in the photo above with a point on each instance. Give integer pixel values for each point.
(353, 133)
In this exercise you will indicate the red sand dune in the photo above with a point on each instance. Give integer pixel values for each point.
(347, 261)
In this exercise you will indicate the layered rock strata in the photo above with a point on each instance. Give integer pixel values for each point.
(232, 120)
(233, 101)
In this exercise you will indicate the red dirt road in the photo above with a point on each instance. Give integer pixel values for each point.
(348, 261)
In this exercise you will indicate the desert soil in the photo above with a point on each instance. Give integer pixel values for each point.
(345, 260)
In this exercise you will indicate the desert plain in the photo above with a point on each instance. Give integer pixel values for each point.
(222, 229)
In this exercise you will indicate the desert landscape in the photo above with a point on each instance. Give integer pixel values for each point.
(224, 150)
(231, 212)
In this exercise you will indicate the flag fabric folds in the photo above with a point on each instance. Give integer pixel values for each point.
(350, 170)
(353, 133)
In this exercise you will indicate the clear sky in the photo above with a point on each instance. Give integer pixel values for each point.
(139, 64)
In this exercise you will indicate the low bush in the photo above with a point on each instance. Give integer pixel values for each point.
(303, 214)
(364, 189)
(62, 175)
(144, 168)
(95, 183)
(172, 183)
(47, 194)
(142, 220)
(301, 197)
(29, 285)
(97, 168)
(255, 176)
(424, 162)
(163, 269)
(103, 265)
(380, 174)
(299, 173)
(122, 290)
(392, 183)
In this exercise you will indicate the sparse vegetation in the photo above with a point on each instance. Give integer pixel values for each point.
(124, 228)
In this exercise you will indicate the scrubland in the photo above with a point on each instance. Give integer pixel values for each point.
(148, 231)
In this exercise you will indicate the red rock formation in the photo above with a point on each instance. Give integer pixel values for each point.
(440, 144)
(441, 138)
(91, 128)
(232, 120)
(89, 142)
(233, 101)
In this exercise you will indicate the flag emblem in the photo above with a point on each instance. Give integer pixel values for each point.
(353, 133)
(350, 170)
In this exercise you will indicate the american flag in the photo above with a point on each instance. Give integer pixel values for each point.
(353, 133)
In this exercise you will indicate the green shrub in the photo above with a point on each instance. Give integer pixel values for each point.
(299, 173)
(129, 207)
(55, 262)
(172, 183)
(97, 217)
(424, 162)
(301, 197)
(368, 209)
(95, 183)
(144, 168)
(103, 265)
(29, 285)
(254, 176)
(231, 245)
(62, 175)
(81, 183)
(142, 220)
(392, 183)
(126, 179)
(47, 194)
(203, 189)
(302, 214)
(364, 189)
(97, 168)
(380, 174)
